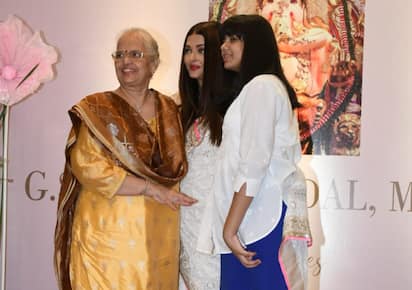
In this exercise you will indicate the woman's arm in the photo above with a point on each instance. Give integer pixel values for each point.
(238, 208)
(133, 185)
(98, 173)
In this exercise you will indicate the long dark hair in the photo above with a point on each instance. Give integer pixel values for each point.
(260, 51)
(207, 101)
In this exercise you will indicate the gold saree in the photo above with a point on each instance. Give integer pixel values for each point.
(118, 242)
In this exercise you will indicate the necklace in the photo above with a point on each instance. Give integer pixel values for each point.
(145, 98)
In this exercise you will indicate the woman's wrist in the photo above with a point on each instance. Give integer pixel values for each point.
(229, 231)
(145, 189)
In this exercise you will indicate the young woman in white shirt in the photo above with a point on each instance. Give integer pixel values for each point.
(256, 164)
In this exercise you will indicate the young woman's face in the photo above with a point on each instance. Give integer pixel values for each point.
(194, 56)
(232, 51)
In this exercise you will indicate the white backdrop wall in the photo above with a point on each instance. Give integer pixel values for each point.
(361, 207)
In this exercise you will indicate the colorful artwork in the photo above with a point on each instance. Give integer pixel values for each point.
(321, 48)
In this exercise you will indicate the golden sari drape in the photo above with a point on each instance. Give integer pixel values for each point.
(128, 140)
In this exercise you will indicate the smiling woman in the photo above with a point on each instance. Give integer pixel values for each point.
(193, 56)
(203, 107)
(117, 224)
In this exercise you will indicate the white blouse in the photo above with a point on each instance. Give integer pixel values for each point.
(260, 147)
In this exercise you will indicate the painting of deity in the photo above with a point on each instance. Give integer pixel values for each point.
(321, 48)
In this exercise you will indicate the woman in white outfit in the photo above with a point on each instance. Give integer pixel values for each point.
(258, 203)
(203, 106)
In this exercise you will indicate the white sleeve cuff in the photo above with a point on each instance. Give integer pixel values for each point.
(252, 185)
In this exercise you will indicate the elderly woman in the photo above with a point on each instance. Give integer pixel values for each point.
(117, 223)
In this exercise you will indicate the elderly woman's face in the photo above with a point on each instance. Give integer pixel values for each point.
(130, 69)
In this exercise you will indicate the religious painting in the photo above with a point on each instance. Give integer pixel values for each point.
(321, 47)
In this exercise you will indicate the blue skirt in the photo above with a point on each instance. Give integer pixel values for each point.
(267, 276)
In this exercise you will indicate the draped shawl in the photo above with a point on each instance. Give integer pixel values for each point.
(293, 252)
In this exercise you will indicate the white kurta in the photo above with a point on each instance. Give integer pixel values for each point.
(200, 271)
(260, 147)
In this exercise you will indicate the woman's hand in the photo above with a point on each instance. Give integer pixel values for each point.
(133, 185)
(237, 211)
(245, 257)
(168, 196)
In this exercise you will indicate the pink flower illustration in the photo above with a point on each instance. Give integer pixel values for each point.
(25, 61)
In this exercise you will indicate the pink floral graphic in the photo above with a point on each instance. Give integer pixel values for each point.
(25, 61)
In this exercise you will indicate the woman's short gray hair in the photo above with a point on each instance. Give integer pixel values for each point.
(149, 43)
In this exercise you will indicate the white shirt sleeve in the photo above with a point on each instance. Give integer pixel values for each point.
(259, 110)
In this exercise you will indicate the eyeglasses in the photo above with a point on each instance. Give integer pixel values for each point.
(121, 54)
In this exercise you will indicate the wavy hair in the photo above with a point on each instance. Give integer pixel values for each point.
(209, 101)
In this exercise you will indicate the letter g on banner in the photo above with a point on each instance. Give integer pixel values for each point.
(28, 184)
